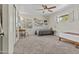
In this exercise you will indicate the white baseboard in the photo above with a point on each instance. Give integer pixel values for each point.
(4, 52)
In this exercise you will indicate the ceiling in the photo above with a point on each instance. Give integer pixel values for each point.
(32, 9)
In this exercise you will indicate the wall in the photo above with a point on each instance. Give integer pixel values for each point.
(17, 25)
(71, 25)
(5, 27)
(31, 18)
(0, 9)
(9, 25)
(12, 27)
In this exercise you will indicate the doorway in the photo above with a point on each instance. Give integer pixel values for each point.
(1, 29)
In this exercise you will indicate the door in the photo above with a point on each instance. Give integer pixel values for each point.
(1, 35)
(1, 30)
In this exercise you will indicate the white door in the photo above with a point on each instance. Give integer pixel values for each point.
(1, 35)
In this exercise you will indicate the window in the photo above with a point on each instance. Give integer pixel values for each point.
(63, 18)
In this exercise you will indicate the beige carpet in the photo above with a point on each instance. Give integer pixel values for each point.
(43, 45)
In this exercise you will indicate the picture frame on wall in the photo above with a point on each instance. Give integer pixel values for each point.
(38, 22)
(29, 23)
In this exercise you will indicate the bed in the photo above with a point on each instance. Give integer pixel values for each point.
(69, 36)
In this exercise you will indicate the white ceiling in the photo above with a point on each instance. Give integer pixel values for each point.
(32, 9)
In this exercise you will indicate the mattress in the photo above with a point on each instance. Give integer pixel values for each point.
(69, 36)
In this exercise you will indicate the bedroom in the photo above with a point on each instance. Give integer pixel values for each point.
(39, 28)
(40, 24)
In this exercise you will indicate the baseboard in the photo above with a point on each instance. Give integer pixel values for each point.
(3, 52)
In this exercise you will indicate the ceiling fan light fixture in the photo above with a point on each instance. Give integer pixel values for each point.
(47, 9)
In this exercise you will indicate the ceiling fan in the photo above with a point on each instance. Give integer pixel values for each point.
(45, 7)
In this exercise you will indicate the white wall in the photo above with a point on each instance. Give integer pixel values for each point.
(5, 27)
(0, 9)
(9, 25)
(31, 18)
(12, 27)
(17, 25)
(69, 26)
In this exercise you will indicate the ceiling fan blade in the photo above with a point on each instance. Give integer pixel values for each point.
(51, 7)
(50, 10)
(44, 6)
